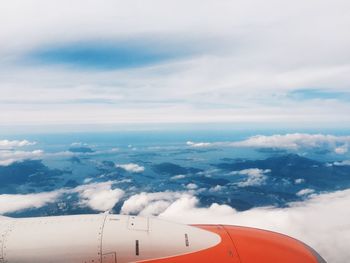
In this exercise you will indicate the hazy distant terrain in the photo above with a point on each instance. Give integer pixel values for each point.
(240, 173)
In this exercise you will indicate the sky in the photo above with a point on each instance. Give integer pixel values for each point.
(100, 64)
(144, 62)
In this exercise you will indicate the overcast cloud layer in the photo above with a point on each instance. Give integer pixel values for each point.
(116, 62)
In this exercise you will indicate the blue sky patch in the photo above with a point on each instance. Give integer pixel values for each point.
(312, 94)
(117, 55)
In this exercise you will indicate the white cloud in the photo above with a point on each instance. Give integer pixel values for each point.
(8, 157)
(341, 149)
(318, 221)
(123, 181)
(299, 181)
(131, 167)
(16, 202)
(6, 162)
(7, 144)
(292, 141)
(342, 163)
(99, 196)
(252, 172)
(192, 212)
(78, 144)
(255, 176)
(295, 141)
(149, 203)
(198, 144)
(88, 180)
(306, 191)
(155, 207)
(216, 188)
(177, 177)
(10, 154)
(191, 186)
